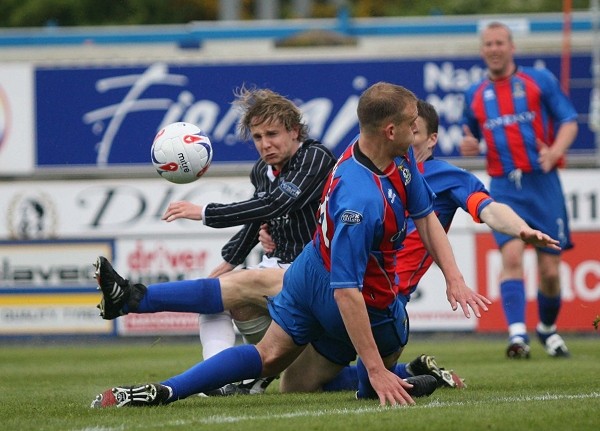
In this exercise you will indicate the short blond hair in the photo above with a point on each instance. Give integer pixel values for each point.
(260, 106)
(383, 102)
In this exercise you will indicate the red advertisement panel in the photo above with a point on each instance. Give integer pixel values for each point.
(165, 323)
(580, 282)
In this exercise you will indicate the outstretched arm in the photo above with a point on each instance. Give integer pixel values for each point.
(388, 386)
(502, 218)
(436, 242)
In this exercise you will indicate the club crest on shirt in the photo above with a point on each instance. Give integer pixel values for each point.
(351, 217)
(405, 174)
(290, 189)
(518, 91)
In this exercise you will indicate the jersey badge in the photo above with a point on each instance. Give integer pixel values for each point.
(518, 91)
(405, 173)
(351, 217)
(290, 189)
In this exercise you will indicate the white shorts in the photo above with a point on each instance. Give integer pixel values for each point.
(270, 262)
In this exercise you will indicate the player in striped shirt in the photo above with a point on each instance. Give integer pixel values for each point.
(287, 179)
(528, 124)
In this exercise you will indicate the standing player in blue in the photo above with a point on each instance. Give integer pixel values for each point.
(340, 294)
(528, 124)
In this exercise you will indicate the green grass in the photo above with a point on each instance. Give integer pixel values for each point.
(50, 387)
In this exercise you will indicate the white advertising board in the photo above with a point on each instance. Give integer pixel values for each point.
(108, 208)
(47, 287)
(127, 214)
(16, 119)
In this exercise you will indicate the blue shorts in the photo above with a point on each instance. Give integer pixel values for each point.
(306, 310)
(538, 198)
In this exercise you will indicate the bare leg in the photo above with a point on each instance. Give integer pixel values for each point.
(277, 351)
(309, 372)
(250, 286)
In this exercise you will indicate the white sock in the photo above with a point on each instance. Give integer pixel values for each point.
(216, 333)
(545, 329)
(516, 329)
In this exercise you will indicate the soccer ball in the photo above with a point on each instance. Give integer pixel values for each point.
(181, 152)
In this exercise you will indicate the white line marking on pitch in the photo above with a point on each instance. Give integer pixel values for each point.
(358, 411)
(362, 410)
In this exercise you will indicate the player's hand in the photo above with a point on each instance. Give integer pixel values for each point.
(222, 269)
(547, 156)
(538, 239)
(469, 146)
(182, 209)
(460, 294)
(265, 239)
(390, 388)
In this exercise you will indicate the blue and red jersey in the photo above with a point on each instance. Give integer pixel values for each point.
(512, 114)
(363, 219)
(454, 188)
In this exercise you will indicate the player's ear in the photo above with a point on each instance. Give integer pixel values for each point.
(389, 131)
(432, 141)
(295, 132)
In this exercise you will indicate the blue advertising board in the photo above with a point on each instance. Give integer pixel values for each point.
(109, 115)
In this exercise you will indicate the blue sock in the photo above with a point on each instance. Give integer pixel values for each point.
(229, 366)
(548, 308)
(365, 390)
(347, 379)
(202, 296)
(513, 300)
(400, 371)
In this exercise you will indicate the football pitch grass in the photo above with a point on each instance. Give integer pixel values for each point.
(49, 385)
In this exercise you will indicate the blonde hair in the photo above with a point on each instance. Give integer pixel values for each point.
(260, 106)
(497, 24)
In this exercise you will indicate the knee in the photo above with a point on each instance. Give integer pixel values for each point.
(550, 284)
(253, 330)
(270, 360)
(549, 271)
(549, 274)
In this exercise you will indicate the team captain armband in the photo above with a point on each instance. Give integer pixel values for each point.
(474, 202)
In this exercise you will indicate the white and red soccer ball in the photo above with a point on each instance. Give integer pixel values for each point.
(181, 152)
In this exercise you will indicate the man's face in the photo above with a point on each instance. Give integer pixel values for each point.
(404, 132)
(424, 143)
(497, 50)
(274, 143)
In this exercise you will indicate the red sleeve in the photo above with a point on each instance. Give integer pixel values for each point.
(474, 202)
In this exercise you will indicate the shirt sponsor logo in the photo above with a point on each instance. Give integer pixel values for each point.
(510, 119)
(290, 189)
(351, 217)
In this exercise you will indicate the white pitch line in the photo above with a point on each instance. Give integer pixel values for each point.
(219, 419)
(362, 410)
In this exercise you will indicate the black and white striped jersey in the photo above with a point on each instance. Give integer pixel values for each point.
(287, 201)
